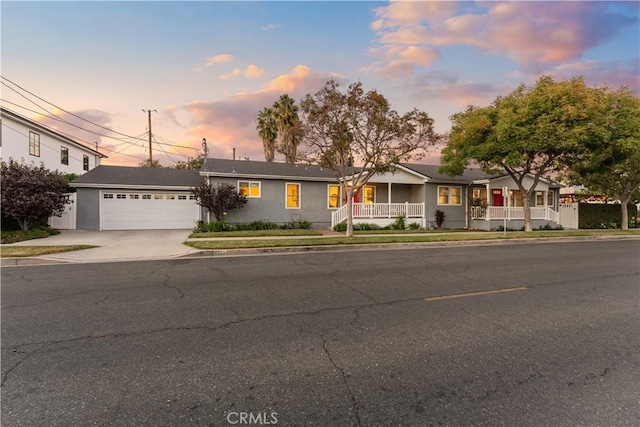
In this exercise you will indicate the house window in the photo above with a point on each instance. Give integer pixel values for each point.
(333, 195)
(192, 197)
(369, 194)
(107, 196)
(158, 197)
(85, 163)
(550, 198)
(249, 189)
(539, 198)
(182, 197)
(293, 196)
(170, 196)
(34, 144)
(515, 200)
(146, 197)
(479, 196)
(449, 195)
(121, 196)
(134, 196)
(64, 155)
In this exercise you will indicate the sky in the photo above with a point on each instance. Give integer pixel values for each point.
(205, 69)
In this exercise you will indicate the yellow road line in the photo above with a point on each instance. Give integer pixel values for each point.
(475, 294)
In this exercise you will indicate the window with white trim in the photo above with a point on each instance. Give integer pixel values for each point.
(158, 197)
(34, 144)
(449, 196)
(107, 196)
(64, 155)
(146, 197)
(182, 197)
(134, 196)
(540, 198)
(121, 196)
(85, 162)
(249, 189)
(293, 195)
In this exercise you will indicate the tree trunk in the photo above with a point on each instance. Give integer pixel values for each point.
(526, 204)
(624, 201)
(349, 232)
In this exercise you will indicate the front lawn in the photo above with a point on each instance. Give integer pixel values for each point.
(258, 233)
(29, 251)
(14, 236)
(409, 238)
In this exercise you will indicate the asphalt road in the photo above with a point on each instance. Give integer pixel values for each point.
(344, 338)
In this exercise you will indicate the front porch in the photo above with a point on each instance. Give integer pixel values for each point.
(489, 213)
(381, 213)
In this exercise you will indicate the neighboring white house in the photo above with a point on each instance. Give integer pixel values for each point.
(23, 138)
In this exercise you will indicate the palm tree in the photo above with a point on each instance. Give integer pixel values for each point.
(289, 126)
(268, 131)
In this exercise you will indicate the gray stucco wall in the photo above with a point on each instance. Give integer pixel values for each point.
(88, 209)
(271, 205)
(455, 215)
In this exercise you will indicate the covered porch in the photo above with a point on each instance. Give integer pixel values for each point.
(381, 213)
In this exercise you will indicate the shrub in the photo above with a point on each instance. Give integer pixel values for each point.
(213, 227)
(440, 217)
(257, 225)
(399, 224)
(38, 232)
(414, 226)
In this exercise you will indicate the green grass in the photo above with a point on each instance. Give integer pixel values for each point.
(257, 233)
(409, 238)
(29, 251)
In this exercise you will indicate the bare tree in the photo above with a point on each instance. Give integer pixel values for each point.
(357, 135)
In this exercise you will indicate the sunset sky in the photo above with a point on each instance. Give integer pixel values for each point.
(209, 67)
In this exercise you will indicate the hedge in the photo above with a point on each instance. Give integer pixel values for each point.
(604, 216)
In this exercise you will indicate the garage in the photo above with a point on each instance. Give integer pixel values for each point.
(129, 210)
(130, 198)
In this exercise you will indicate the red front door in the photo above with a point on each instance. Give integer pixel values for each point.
(496, 198)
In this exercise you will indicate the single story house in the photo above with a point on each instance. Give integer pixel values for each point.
(116, 197)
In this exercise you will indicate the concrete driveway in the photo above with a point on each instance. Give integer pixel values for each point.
(124, 245)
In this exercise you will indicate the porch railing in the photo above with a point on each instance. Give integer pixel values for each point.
(379, 210)
(502, 212)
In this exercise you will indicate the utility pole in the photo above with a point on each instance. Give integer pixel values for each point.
(150, 150)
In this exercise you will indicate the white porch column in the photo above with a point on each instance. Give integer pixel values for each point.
(389, 198)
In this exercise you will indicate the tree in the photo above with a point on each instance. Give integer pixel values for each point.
(342, 130)
(218, 199)
(611, 164)
(289, 128)
(531, 132)
(31, 193)
(191, 163)
(150, 164)
(268, 130)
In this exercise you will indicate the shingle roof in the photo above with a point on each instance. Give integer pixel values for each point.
(123, 175)
(431, 171)
(253, 168)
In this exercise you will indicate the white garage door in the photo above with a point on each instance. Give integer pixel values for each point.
(148, 211)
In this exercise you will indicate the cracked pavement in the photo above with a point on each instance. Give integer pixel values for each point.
(329, 338)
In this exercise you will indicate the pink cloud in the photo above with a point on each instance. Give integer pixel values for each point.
(219, 59)
(251, 72)
(231, 122)
(533, 34)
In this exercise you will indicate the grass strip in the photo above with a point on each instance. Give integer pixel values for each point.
(29, 251)
(257, 233)
(381, 239)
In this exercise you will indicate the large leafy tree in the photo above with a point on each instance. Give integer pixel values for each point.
(191, 163)
(611, 164)
(218, 199)
(268, 131)
(356, 134)
(31, 193)
(532, 132)
(288, 125)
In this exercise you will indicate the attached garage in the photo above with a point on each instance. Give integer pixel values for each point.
(130, 210)
(127, 198)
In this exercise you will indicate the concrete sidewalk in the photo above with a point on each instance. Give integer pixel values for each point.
(125, 245)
